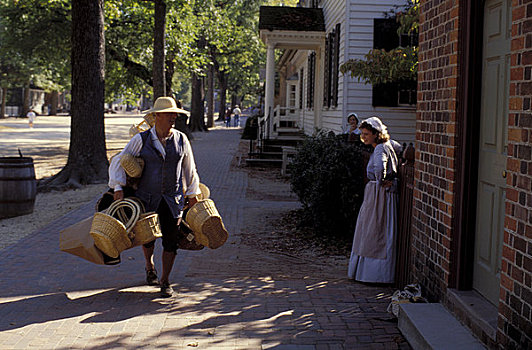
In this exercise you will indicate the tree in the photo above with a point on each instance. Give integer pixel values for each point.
(400, 64)
(28, 31)
(159, 81)
(87, 159)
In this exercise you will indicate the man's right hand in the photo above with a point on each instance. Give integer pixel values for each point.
(118, 195)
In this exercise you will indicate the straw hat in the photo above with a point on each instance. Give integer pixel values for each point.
(165, 104)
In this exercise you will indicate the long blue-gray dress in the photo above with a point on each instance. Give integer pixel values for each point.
(373, 251)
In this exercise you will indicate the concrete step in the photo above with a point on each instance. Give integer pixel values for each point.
(285, 131)
(268, 163)
(284, 141)
(431, 326)
(267, 155)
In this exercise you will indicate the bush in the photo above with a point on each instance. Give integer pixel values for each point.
(327, 174)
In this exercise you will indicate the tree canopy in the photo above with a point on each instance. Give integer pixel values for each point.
(35, 45)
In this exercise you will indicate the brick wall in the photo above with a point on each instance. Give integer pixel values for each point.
(435, 145)
(515, 329)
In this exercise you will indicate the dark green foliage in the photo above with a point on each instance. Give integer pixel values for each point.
(327, 175)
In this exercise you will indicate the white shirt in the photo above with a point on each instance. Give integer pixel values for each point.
(117, 175)
(237, 111)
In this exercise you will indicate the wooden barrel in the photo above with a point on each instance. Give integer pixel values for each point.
(18, 186)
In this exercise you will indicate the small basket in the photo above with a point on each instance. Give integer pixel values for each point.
(150, 119)
(206, 223)
(109, 234)
(133, 166)
(147, 229)
(205, 192)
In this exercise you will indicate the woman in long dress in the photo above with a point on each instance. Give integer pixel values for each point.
(373, 252)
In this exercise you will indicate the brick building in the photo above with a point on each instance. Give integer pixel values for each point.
(472, 217)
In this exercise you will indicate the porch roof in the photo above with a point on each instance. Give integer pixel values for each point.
(291, 18)
(292, 27)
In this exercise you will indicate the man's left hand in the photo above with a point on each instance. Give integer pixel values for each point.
(192, 201)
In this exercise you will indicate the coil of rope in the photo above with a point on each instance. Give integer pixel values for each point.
(118, 210)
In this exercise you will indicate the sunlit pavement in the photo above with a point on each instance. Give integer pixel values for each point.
(234, 297)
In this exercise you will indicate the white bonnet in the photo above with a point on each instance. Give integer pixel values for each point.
(376, 124)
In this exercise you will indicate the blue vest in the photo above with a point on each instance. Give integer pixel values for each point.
(159, 178)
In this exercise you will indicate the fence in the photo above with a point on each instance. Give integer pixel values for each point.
(406, 190)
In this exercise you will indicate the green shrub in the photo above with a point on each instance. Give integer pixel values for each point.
(327, 174)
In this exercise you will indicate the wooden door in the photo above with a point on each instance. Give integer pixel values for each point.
(492, 148)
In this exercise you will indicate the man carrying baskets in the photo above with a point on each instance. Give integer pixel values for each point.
(168, 182)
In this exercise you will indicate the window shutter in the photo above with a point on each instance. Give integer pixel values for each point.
(301, 89)
(310, 80)
(326, 71)
(335, 65)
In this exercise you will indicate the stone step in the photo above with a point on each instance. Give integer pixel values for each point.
(431, 326)
(267, 155)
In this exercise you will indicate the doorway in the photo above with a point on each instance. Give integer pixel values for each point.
(491, 185)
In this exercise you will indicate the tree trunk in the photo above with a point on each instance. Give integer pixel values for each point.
(159, 82)
(26, 102)
(197, 118)
(222, 88)
(210, 97)
(87, 159)
(54, 99)
(169, 74)
(3, 107)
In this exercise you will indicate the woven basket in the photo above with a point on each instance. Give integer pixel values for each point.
(133, 130)
(109, 234)
(150, 119)
(205, 192)
(133, 166)
(147, 229)
(207, 224)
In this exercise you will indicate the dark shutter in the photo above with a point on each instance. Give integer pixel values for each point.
(335, 65)
(326, 72)
(310, 81)
(301, 89)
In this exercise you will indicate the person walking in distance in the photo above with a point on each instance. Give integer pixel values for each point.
(237, 113)
(31, 117)
(169, 182)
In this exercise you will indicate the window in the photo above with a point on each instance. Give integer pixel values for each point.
(332, 60)
(385, 37)
(311, 74)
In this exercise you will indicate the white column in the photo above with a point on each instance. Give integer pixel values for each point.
(270, 84)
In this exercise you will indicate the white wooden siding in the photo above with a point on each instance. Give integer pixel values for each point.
(356, 39)
(401, 122)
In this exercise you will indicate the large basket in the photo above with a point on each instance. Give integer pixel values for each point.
(133, 166)
(205, 192)
(109, 234)
(150, 119)
(147, 229)
(207, 224)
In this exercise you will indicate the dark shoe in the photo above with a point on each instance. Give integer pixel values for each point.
(166, 290)
(151, 277)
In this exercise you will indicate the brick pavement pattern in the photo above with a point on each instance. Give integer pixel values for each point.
(234, 297)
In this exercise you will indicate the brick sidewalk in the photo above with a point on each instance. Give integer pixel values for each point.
(234, 297)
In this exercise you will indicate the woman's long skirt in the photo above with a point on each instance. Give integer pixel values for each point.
(375, 261)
